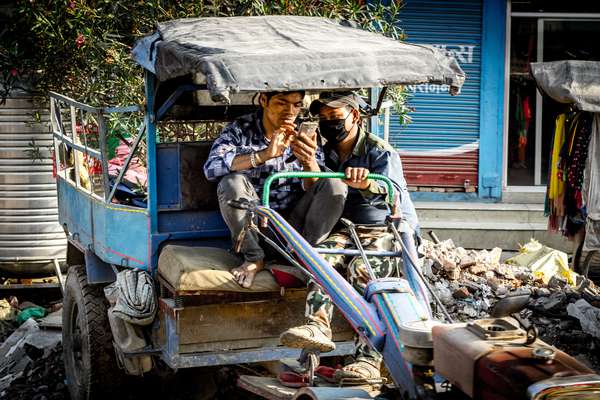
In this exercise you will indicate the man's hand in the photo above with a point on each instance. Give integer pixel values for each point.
(280, 141)
(357, 178)
(305, 149)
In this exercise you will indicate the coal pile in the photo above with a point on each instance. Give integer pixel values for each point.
(470, 282)
(43, 379)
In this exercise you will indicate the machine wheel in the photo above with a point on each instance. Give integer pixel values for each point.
(89, 356)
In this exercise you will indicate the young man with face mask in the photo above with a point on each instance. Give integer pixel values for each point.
(357, 153)
(256, 146)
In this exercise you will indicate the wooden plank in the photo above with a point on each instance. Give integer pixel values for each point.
(245, 321)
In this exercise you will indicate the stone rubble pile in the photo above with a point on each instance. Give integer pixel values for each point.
(470, 282)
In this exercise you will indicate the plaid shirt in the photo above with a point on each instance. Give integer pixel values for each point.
(246, 135)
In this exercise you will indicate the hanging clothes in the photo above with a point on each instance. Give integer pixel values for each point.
(591, 189)
(556, 186)
(522, 117)
(565, 205)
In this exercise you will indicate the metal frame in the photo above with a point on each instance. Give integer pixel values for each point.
(542, 18)
(60, 135)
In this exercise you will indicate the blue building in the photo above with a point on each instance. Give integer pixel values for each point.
(493, 139)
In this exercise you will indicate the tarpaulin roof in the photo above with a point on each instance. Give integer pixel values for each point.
(570, 81)
(281, 53)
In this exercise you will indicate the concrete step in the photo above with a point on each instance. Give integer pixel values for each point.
(488, 225)
(481, 212)
(534, 196)
(505, 239)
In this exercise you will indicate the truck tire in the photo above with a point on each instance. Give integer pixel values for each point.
(90, 362)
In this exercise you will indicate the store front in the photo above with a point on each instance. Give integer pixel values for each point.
(540, 31)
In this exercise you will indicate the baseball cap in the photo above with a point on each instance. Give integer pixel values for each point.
(335, 100)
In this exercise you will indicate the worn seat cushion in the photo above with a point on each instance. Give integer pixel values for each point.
(188, 268)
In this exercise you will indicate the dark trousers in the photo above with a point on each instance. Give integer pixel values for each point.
(314, 215)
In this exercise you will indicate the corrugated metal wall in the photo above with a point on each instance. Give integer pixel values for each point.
(441, 146)
(30, 235)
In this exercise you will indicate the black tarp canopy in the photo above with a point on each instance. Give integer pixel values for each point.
(570, 81)
(281, 53)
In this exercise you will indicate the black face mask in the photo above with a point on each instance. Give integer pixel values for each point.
(334, 130)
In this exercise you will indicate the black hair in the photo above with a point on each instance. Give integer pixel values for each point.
(269, 95)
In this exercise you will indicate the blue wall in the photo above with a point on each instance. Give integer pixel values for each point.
(492, 98)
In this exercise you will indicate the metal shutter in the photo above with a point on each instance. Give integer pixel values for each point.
(441, 145)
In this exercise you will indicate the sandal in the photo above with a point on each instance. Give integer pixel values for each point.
(308, 337)
(360, 372)
(292, 379)
(326, 373)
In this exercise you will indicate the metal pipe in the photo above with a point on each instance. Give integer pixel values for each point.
(328, 175)
(283, 253)
(350, 225)
(351, 252)
(414, 267)
(124, 168)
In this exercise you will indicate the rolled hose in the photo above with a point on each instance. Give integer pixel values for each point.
(331, 175)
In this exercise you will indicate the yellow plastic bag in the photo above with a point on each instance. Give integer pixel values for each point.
(544, 262)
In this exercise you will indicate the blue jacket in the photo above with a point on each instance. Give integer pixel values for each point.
(369, 206)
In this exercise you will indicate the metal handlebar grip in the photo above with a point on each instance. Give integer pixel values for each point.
(330, 175)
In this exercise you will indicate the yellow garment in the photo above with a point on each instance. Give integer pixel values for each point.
(556, 186)
(544, 262)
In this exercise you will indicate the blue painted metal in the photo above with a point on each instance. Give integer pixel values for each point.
(98, 271)
(232, 357)
(202, 222)
(492, 98)
(167, 170)
(115, 233)
(396, 304)
(152, 245)
(440, 146)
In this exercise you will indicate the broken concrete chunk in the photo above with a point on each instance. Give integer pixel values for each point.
(505, 271)
(443, 293)
(453, 274)
(461, 293)
(478, 268)
(448, 263)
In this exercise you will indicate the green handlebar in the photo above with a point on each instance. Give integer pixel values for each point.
(338, 175)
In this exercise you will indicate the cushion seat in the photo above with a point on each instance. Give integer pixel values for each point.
(188, 268)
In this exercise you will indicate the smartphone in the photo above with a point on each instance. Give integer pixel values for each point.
(309, 128)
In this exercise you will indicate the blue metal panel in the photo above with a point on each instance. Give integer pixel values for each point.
(98, 271)
(202, 223)
(118, 234)
(121, 234)
(167, 159)
(492, 98)
(440, 146)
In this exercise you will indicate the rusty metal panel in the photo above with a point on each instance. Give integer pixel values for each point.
(450, 170)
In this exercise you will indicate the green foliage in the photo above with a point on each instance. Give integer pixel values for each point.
(82, 48)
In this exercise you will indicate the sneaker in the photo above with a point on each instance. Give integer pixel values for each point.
(309, 337)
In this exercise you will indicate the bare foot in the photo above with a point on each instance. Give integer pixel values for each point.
(245, 273)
